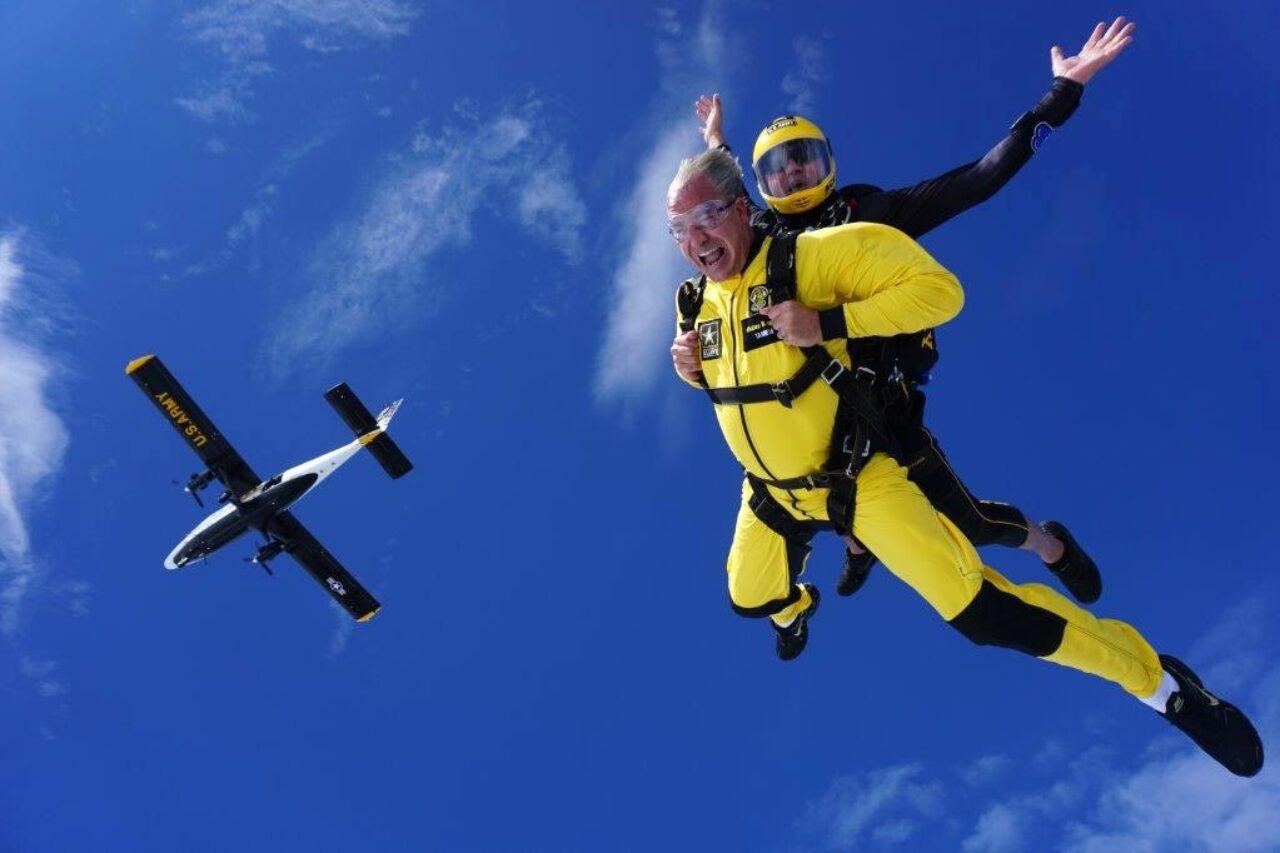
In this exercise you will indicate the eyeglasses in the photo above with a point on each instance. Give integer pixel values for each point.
(705, 216)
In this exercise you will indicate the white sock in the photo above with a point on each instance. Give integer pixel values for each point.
(1160, 699)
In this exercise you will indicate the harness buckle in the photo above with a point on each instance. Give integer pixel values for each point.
(857, 447)
(839, 369)
(782, 391)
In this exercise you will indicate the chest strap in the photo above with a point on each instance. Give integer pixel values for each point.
(818, 365)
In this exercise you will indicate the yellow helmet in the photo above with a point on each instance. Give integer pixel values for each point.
(793, 164)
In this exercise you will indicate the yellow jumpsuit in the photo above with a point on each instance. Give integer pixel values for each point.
(887, 285)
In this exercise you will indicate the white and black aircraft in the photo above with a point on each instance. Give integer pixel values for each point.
(250, 502)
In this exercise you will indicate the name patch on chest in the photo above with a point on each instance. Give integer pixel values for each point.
(757, 332)
(709, 340)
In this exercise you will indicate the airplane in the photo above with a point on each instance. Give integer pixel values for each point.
(249, 502)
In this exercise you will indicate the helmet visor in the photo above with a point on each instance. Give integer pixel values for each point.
(793, 166)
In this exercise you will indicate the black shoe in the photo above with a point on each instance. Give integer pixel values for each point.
(854, 574)
(1074, 568)
(1217, 726)
(792, 639)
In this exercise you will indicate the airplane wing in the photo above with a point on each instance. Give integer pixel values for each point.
(192, 424)
(322, 566)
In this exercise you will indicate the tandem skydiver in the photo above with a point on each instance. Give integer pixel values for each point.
(796, 175)
(803, 423)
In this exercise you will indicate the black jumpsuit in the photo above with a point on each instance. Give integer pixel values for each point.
(916, 210)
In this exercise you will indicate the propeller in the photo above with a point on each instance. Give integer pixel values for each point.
(195, 484)
(267, 553)
(187, 488)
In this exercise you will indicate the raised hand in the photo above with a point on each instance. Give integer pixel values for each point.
(708, 109)
(1104, 45)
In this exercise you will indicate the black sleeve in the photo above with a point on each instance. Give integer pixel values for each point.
(923, 207)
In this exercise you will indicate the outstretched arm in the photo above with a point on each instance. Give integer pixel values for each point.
(921, 208)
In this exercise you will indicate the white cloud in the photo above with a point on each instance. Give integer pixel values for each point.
(372, 271)
(641, 317)
(985, 770)
(255, 214)
(42, 673)
(1185, 802)
(342, 631)
(242, 32)
(872, 804)
(1168, 796)
(32, 436)
(999, 829)
(649, 267)
(800, 84)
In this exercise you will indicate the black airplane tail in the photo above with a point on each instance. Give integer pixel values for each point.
(370, 430)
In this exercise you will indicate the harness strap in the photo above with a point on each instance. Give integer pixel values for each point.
(818, 365)
(774, 516)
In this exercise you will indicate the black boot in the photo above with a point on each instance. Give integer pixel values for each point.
(792, 639)
(1217, 726)
(854, 574)
(1074, 568)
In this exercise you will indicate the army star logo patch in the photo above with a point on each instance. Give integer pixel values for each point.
(709, 339)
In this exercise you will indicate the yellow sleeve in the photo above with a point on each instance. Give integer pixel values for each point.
(885, 283)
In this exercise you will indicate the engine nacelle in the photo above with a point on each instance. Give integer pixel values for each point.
(268, 552)
(197, 483)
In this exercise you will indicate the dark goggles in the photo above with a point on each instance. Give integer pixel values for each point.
(809, 160)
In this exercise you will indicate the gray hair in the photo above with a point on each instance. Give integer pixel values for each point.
(716, 165)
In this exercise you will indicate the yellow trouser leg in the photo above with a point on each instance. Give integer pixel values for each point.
(930, 555)
(761, 565)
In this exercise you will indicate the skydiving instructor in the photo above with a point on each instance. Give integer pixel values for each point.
(796, 175)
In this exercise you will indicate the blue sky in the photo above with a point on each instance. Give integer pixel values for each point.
(461, 204)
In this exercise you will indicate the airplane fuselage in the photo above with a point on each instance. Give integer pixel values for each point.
(256, 508)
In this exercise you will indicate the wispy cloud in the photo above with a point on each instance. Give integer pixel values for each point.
(882, 804)
(242, 32)
(1170, 797)
(32, 436)
(259, 209)
(641, 319)
(800, 84)
(372, 272)
(42, 673)
(985, 770)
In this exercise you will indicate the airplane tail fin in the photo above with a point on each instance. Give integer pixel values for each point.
(385, 416)
(370, 430)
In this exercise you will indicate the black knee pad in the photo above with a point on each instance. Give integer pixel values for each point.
(997, 618)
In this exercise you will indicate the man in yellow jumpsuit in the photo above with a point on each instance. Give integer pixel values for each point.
(880, 283)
